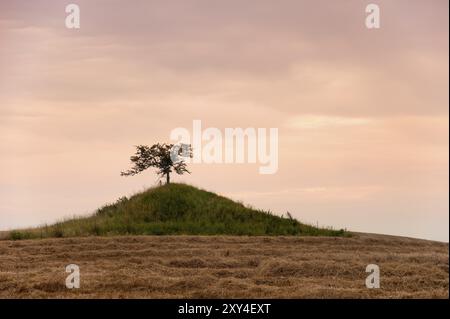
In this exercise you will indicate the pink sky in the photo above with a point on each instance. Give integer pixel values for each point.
(362, 114)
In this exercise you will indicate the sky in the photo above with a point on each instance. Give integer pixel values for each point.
(362, 113)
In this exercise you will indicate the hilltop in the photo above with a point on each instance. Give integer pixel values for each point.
(176, 209)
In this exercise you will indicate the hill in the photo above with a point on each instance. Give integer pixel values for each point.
(176, 209)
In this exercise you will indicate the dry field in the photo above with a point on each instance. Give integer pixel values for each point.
(224, 267)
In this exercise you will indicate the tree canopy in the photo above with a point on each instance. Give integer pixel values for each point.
(166, 158)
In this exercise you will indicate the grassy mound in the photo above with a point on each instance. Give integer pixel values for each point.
(176, 209)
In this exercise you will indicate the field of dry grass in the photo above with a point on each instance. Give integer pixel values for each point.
(224, 267)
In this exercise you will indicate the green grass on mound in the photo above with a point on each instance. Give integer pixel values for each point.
(176, 209)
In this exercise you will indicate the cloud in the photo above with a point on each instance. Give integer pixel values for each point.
(317, 122)
(356, 108)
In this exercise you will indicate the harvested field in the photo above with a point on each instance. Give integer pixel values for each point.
(224, 267)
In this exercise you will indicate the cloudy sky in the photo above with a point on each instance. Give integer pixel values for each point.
(362, 113)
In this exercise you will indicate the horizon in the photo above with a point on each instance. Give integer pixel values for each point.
(66, 218)
(362, 114)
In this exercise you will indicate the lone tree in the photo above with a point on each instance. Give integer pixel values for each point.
(165, 157)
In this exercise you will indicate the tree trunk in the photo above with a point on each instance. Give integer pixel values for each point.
(167, 178)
